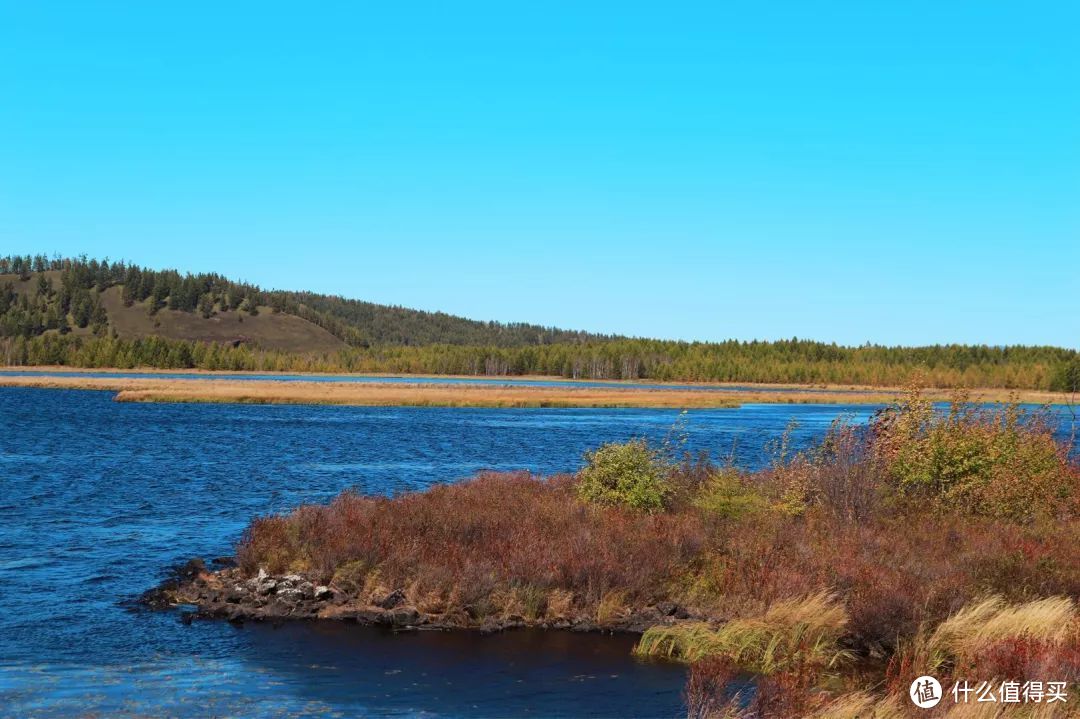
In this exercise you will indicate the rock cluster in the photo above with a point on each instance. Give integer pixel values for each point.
(228, 594)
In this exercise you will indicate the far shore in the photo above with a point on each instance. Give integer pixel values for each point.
(420, 376)
(269, 391)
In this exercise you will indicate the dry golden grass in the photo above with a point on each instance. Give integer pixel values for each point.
(864, 705)
(861, 705)
(992, 619)
(374, 395)
(1056, 710)
(792, 631)
(222, 390)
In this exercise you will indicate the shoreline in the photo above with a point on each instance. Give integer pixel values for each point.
(476, 377)
(226, 593)
(220, 390)
(376, 395)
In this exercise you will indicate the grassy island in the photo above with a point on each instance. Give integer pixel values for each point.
(924, 543)
(221, 387)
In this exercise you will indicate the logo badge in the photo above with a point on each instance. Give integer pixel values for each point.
(925, 692)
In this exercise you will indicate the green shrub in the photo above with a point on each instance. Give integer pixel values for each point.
(1000, 462)
(630, 474)
(725, 495)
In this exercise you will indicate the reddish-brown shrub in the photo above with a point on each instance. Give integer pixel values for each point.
(712, 687)
(497, 530)
(1023, 659)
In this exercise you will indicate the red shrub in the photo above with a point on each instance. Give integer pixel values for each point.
(499, 530)
(711, 686)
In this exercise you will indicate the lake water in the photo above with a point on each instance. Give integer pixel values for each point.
(100, 497)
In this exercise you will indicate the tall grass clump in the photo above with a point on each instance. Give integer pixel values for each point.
(971, 635)
(793, 632)
(992, 619)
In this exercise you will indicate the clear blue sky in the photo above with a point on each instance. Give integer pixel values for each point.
(904, 172)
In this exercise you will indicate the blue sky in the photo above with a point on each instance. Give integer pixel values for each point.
(844, 171)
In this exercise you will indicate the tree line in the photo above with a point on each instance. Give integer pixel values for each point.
(795, 362)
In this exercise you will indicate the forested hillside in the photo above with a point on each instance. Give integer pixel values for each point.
(40, 294)
(88, 313)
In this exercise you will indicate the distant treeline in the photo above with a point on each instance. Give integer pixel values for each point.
(793, 361)
(42, 299)
(74, 301)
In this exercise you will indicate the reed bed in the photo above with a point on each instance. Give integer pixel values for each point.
(222, 390)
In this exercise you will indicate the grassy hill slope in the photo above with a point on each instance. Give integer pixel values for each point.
(266, 330)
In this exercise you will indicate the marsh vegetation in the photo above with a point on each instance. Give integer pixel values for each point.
(924, 542)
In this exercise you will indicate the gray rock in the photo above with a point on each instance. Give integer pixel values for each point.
(403, 617)
(277, 608)
(667, 609)
(369, 616)
(290, 595)
(323, 593)
(491, 626)
(391, 600)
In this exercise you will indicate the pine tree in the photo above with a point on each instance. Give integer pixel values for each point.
(99, 317)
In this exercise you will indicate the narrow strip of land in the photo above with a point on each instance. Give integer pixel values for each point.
(225, 390)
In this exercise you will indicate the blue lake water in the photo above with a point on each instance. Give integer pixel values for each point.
(404, 379)
(100, 497)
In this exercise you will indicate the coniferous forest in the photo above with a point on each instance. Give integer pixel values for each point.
(55, 311)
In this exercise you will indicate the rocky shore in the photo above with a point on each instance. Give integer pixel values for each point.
(226, 593)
